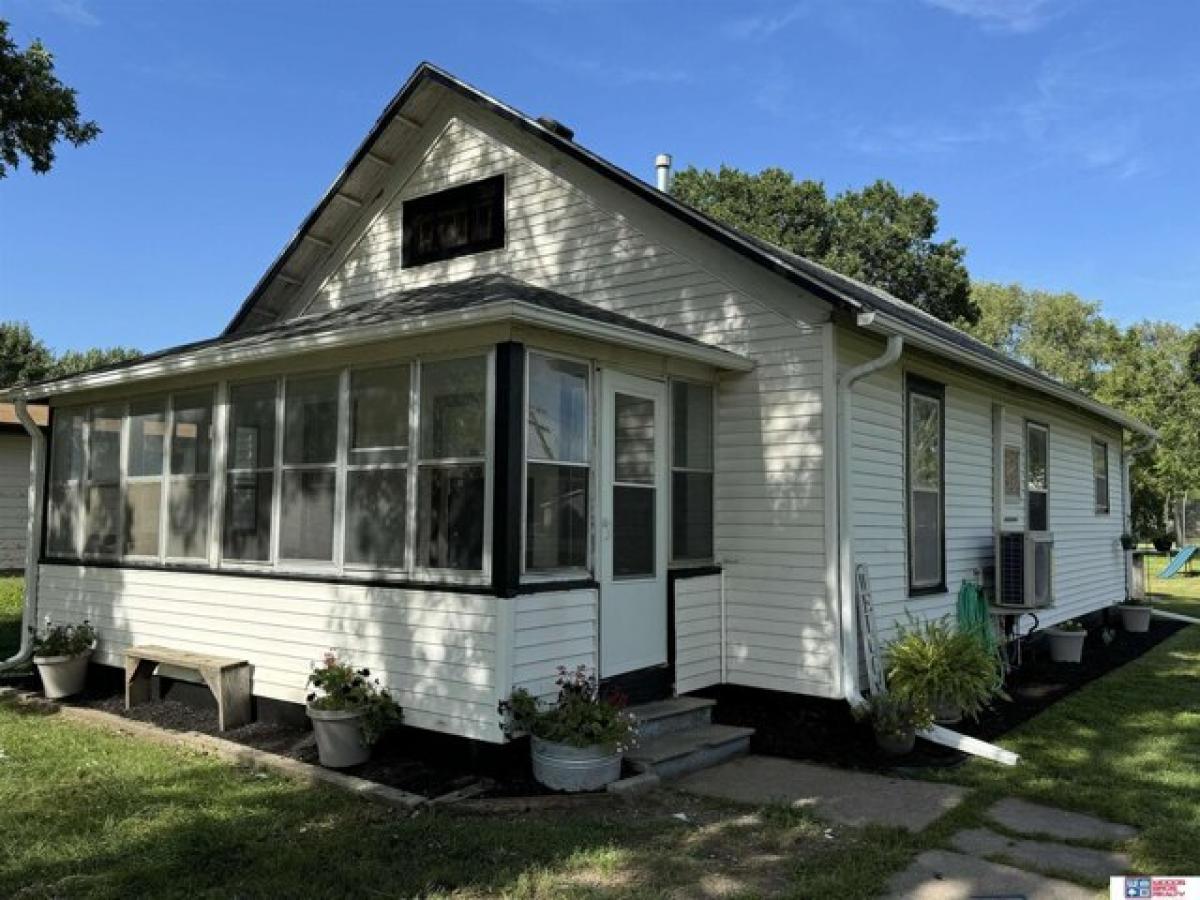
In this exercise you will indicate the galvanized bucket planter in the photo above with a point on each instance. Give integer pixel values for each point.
(1066, 646)
(562, 767)
(339, 737)
(62, 676)
(1135, 618)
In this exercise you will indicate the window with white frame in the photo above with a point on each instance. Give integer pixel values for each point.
(451, 468)
(1037, 476)
(1100, 475)
(250, 472)
(102, 495)
(67, 463)
(308, 481)
(377, 467)
(557, 464)
(691, 472)
(146, 443)
(926, 486)
(189, 478)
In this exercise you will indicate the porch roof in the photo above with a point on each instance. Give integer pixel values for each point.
(439, 307)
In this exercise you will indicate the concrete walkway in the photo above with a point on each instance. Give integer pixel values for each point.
(838, 795)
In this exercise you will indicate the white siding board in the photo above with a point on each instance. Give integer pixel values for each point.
(552, 629)
(697, 633)
(14, 499)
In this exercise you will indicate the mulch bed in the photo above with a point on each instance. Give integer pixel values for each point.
(824, 730)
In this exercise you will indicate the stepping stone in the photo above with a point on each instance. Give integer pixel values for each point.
(838, 795)
(942, 875)
(1034, 819)
(1044, 856)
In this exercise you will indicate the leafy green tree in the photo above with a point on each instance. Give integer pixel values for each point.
(36, 109)
(23, 358)
(878, 234)
(74, 361)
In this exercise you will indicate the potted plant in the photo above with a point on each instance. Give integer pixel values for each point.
(578, 741)
(1066, 641)
(1128, 541)
(349, 711)
(894, 721)
(937, 666)
(1164, 542)
(61, 654)
(1135, 615)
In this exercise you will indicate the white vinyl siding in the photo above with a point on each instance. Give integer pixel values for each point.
(1088, 562)
(552, 629)
(697, 632)
(14, 499)
(435, 650)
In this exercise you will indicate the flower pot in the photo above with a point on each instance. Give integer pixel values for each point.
(945, 712)
(1066, 646)
(894, 744)
(62, 676)
(339, 737)
(1135, 618)
(562, 767)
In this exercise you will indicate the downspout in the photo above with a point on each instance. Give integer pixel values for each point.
(33, 546)
(849, 612)
(1145, 445)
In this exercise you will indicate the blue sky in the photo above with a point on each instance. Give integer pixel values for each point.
(1061, 137)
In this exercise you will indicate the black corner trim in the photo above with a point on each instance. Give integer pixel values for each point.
(546, 587)
(509, 449)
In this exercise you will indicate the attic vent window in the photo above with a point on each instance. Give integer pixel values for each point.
(455, 222)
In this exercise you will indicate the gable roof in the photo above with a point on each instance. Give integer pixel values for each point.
(437, 307)
(842, 292)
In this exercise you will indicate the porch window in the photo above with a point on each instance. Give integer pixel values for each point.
(557, 472)
(451, 477)
(1037, 476)
(926, 486)
(454, 222)
(147, 431)
(308, 481)
(102, 530)
(189, 479)
(250, 472)
(691, 472)
(66, 482)
(1100, 475)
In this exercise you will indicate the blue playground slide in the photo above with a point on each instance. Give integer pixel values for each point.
(1180, 560)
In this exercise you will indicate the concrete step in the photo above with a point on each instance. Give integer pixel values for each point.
(678, 753)
(667, 716)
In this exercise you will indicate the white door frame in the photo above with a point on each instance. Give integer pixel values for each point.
(633, 609)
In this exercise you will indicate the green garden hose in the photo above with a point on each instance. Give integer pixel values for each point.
(974, 617)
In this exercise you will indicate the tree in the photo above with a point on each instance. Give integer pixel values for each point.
(878, 234)
(23, 358)
(36, 109)
(74, 361)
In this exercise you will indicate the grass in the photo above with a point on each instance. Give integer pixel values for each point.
(1180, 594)
(11, 597)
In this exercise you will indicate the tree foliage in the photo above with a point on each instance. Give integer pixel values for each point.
(24, 358)
(36, 109)
(879, 234)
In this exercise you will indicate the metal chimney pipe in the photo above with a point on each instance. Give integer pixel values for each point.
(662, 164)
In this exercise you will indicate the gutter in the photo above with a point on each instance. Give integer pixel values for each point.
(33, 545)
(851, 690)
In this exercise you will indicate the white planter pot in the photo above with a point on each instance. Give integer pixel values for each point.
(562, 767)
(1135, 618)
(339, 737)
(62, 676)
(1066, 646)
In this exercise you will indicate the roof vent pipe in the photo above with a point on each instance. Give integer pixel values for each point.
(556, 127)
(662, 166)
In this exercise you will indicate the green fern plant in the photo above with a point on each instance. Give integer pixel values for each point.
(933, 664)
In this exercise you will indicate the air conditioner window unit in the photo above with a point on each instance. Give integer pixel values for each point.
(1025, 569)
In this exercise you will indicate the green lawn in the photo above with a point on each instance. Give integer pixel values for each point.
(1179, 594)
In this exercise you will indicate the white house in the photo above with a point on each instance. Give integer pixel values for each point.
(14, 485)
(500, 406)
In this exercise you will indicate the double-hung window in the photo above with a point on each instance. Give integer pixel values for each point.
(308, 481)
(1037, 476)
(691, 472)
(67, 461)
(377, 467)
(146, 436)
(557, 469)
(102, 523)
(926, 486)
(250, 471)
(1100, 476)
(451, 505)
(189, 478)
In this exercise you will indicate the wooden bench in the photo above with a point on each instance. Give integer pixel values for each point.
(228, 679)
